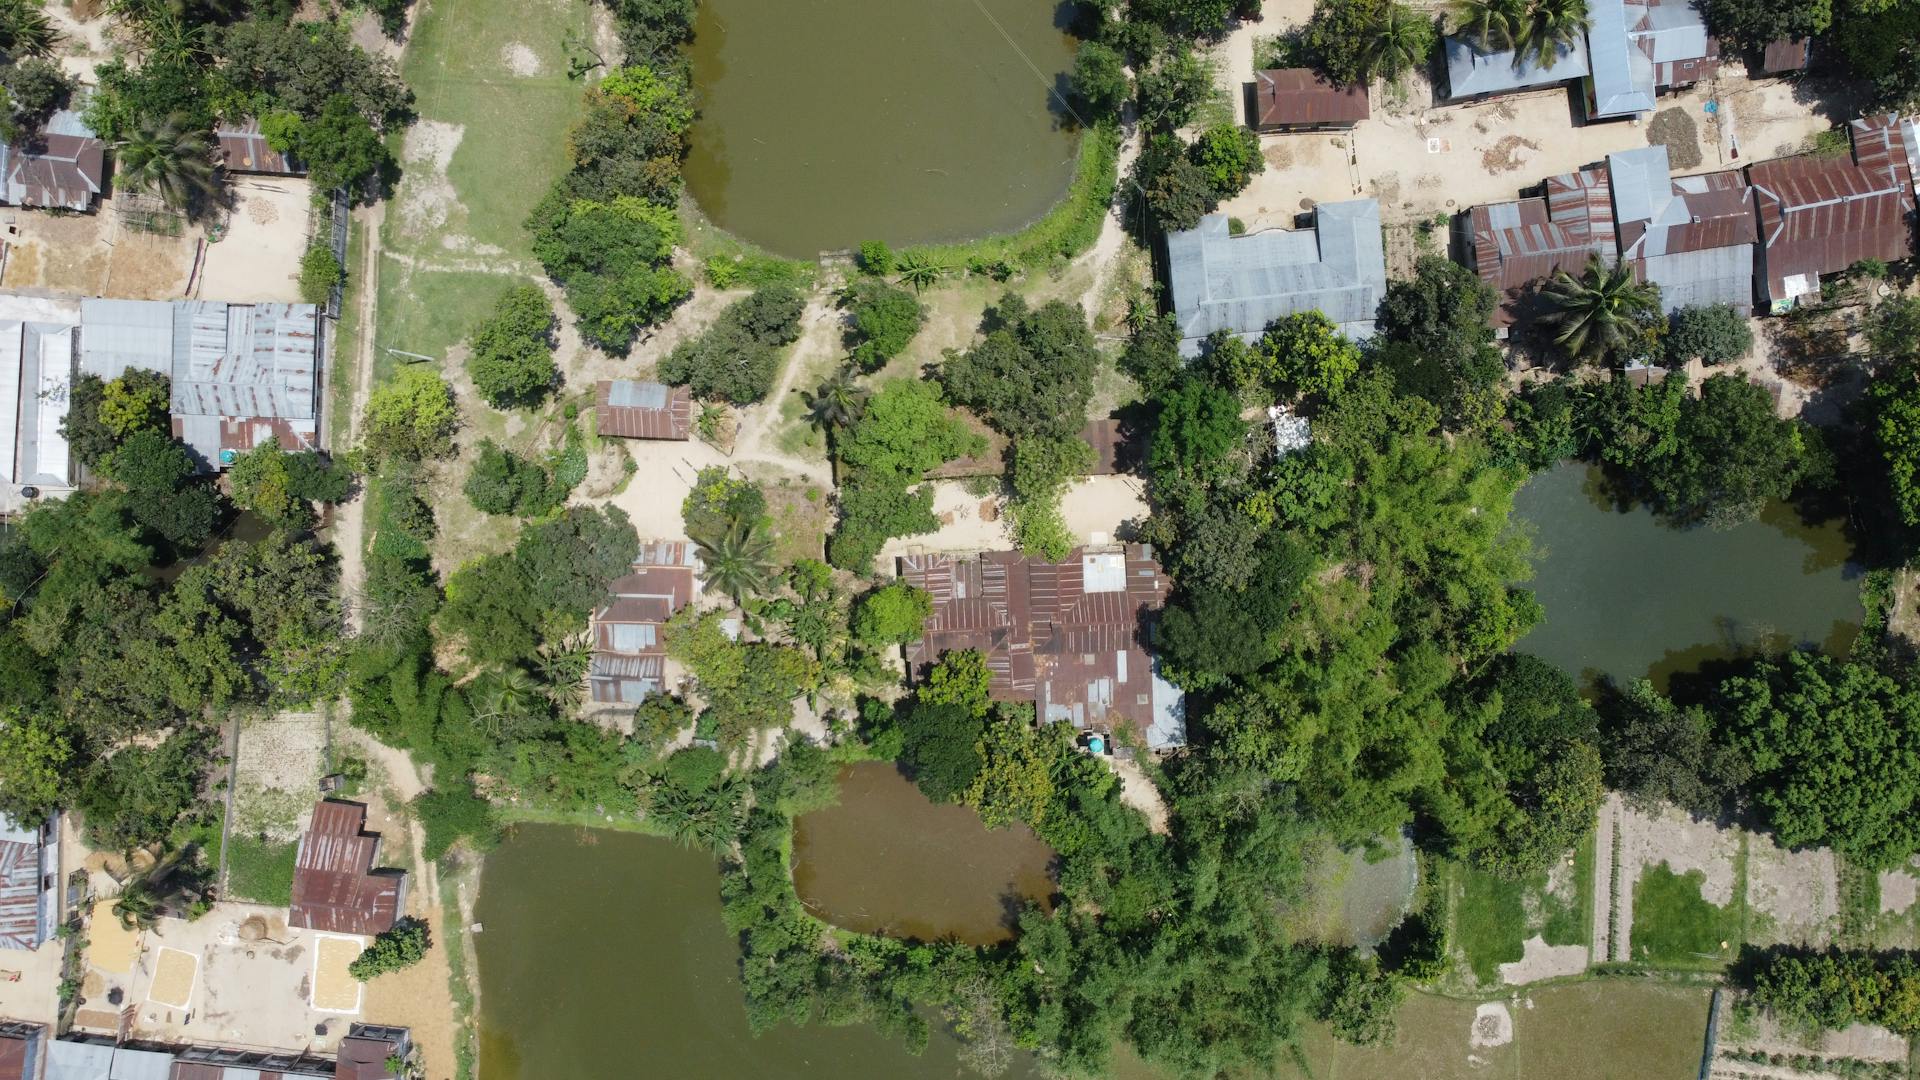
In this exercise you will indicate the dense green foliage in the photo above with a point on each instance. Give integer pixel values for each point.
(510, 354)
(1829, 990)
(885, 319)
(1353, 41)
(396, 949)
(1712, 335)
(282, 487)
(738, 357)
(904, 430)
(503, 482)
(614, 260)
(320, 273)
(411, 416)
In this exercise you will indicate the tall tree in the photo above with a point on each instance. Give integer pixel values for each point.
(168, 159)
(737, 561)
(1599, 314)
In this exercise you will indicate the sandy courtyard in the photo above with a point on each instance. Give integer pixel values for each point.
(259, 257)
(92, 255)
(334, 990)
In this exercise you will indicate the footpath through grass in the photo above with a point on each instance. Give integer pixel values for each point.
(489, 79)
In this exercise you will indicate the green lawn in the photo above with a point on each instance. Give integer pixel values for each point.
(1674, 926)
(1493, 917)
(454, 244)
(260, 870)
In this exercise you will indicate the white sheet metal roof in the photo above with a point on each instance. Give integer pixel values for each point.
(124, 334)
(1240, 284)
(1472, 73)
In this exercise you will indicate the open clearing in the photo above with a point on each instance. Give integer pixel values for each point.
(174, 976)
(334, 990)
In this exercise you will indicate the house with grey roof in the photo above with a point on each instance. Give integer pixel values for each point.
(73, 1059)
(63, 166)
(1693, 236)
(242, 374)
(1632, 50)
(1240, 284)
(29, 876)
(38, 340)
(1474, 73)
(629, 651)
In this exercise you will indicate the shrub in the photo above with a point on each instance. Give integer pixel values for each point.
(738, 357)
(412, 415)
(875, 258)
(392, 950)
(503, 482)
(452, 814)
(885, 320)
(319, 273)
(1714, 334)
(892, 615)
(512, 350)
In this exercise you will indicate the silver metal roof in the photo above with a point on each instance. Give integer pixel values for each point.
(627, 393)
(1622, 74)
(1472, 73)
(123, 334)
(1722, 275)
(1240, 284)
(36, 384)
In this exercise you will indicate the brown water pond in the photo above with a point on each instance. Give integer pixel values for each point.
(887, 860)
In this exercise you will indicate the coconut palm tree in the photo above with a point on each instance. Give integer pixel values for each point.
(1493, 25)
(1597, 313)
(26, 31)
(563, 667)
(504, 699)
(700, 819)
(1550, 25)
(921, 270)
(137, 907)
(168, 159)
(1396, 43)
(738, 561)
(835, 403)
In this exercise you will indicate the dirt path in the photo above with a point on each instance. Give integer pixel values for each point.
(1603, 880)
(350, 521)
(1107, 252)
(1137, 791)
(819, 338)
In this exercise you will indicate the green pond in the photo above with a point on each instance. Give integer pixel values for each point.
(887, 860)
(1628, 597)
(824, 123)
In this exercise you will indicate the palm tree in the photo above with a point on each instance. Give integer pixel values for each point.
(737, 561)
(1597, 313)
(563, 667)
(25, 30)
(920, 270)
(1395, 44)
(1550, 25)
(1493, 25)
(138, 906)
(168, 159)
(505, 698)
(835, 403)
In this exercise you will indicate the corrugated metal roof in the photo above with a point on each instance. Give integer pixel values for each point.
(1693, 236)
(244, 149)
(1068, 636)
(1240, 284)
(20, 1053)
(643, 410)
(1472, 73)
(1821, 215)
(78, 1060)
(334, 888)
(364, 1058)
(63, 167)
(1301, 97)
(1518, 243)
(629, 658)
(1786, 55)
(22, 912)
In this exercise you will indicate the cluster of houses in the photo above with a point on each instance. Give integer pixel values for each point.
(338, 890)
(241, 375)
(65, 165)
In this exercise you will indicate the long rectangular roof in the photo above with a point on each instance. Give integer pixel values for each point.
(1285, 97)
(1473, 73)
(25, 921)
(334, 887)
(1515, 244)
(634, 409)
(1068, 636)
(1638, 46)
(1693, 236)
(36, 384)
(1240, 284)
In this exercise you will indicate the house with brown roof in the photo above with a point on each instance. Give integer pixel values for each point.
(62, 167)
(1820, 215)
(1302, 99)
(1515, 245)
(336, 890)
(1693, 235)
(244, 149)
(21, 1050)
(643, 410)
(364, 1053)
(629, 656)
(1070, 636)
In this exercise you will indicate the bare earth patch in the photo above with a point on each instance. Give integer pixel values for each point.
(1492, 1026)
(1898, 891)
(1541, 961)
(1508, 154)
(520, 60)
(1798, 890)
(426, 198)
(1676, 838)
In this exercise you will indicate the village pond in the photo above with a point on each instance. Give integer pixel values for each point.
(887, 860)
(824, 123)
(603, 955)
(1628, 597)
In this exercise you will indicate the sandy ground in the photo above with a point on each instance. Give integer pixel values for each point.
(1674, 837)
(1898, 891)
(1798, 892)
(664, 479)
(1424, 161)
(1094, 509)
(1139, 792)
(259, 258)
(29, 983)
(91, 255)
(281, 760)
(1540, 961)
(417, 999)
(1492, 1026)
(86, 44)
(252, 986)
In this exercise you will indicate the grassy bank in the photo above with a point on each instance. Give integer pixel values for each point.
(1068, 229)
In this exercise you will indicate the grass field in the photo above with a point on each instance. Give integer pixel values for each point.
(1493, 917)
(1603, 1029)
(1674, 926)
(260, 871)
(488, 145)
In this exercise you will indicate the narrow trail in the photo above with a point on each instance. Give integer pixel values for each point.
(820, 337)
(350, 522)
(1105, 254)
